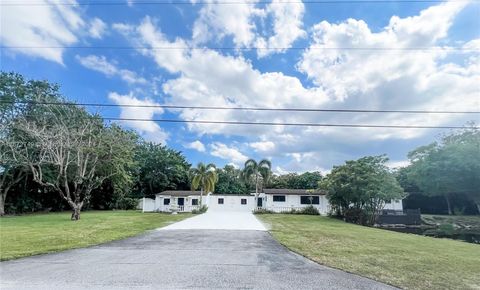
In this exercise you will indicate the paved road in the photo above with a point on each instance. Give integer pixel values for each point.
(219, 220)
(179, 259)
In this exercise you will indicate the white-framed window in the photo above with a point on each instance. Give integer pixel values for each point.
(194, 201)
(166, 201)
(243, 201)
(220, 201)
(308, 199)
(279, 198)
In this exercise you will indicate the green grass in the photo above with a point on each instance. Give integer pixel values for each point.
(404, 260)
(34, 234)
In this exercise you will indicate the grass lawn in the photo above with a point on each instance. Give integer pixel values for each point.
(28, 235)
(404, 260)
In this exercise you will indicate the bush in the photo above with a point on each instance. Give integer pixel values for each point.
(200, 210)
(311, 210)
(127, 203)
(262, 211)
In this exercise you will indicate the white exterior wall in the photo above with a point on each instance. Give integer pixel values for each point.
(146, 204)
(394, 205)
(159, 206)
(231, 203)
(293, 202)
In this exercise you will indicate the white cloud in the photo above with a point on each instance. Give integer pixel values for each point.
(263, 146)
(149, 130)
(215, 22)
(196, 145)
(43, 30)
(287, 26)
(398, 163)
(232, 154)
(97, 28)
(101, 64)
(342, 79)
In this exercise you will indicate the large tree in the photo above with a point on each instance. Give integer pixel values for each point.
(160, 168)
(204, 177)
(16, 93)
(72, 152)
(307, 180)
(359, 189)
(229, 181)
(449, 167)
(257, 172)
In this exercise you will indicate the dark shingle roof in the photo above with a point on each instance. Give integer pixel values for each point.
(180, 192)
(293, 191)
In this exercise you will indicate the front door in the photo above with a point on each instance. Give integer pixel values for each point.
(181, 201)
(259, 202)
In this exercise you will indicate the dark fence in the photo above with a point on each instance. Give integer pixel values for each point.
(407, 217)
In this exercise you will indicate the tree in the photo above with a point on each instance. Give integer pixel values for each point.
(307, 180)
(16, 93)
(259, 172)
(205, 177)
(72, 152)
(359, 189)
(230, 182)
(449, 167)
(160, 168)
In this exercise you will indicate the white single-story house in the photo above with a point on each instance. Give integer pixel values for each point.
(277, 200)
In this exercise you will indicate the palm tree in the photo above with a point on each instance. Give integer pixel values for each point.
(260, 171)
(205, 177)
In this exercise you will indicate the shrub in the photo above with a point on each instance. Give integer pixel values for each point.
(262, 211)
(200, 210)
(311, 210)
(127, 203)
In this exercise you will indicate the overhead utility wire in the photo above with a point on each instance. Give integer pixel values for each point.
(285, 124)
(242, 108)
(426, 48)
(176, 2)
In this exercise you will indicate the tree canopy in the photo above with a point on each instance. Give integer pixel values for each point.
(359, 189)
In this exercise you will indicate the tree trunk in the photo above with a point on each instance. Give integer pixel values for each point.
(3, 196)
(448, 204)
(76, 212)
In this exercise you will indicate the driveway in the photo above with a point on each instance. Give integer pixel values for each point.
(219, 220)
(180, 259)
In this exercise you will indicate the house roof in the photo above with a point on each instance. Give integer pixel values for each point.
(293, 191)
(180, 192)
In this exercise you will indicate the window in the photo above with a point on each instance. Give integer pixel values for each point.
(307, 199)
(194, 201)
(388, 202)
(279, 198)
(220, 201)
(243, 201)
(166, 201)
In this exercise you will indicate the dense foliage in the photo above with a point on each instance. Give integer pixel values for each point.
(307, 180)
(230, 181)
(359, 189)
(448, 168)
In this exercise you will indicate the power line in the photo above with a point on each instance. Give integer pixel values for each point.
(176, 2)
(426, 48)
(284, 124)
(240, 108)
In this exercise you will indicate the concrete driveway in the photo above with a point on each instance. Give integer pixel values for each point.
(219, 220)
(179, 259)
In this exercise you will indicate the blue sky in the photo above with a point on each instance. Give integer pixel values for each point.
(77, 46)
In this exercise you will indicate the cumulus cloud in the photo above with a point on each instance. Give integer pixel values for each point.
(215, 22)
(232, 154)
(370, 79)
(196, 145)
(97, 28)
(43, 30)
(148, 129)
(262, 146)
(101, 64)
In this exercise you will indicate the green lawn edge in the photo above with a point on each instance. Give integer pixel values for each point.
(37, 234)
(403, 260)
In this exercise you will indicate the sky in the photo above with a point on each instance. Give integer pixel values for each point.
(376, 56)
